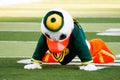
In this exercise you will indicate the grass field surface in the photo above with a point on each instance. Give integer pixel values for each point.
(10, 70)
(23, 48)
(35, 26)
(20, 31)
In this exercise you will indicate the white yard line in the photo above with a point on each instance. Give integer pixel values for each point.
(110, 32)
(28, 61)
(118, 56)
(113, 30)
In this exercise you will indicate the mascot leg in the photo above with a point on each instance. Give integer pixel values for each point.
(100, 52)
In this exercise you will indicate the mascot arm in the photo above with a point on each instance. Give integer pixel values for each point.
(39, 53)
(83, 50)
(41, 49)
(80, 44)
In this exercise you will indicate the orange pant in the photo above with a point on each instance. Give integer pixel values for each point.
(100, 52)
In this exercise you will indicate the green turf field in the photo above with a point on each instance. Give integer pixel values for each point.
(10, 70)
(20, 30)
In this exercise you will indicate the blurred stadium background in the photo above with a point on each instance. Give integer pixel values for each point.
(78, 8)
(20, 29)
(20, 22)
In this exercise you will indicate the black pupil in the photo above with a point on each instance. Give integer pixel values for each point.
(63, 36)
(53, 19)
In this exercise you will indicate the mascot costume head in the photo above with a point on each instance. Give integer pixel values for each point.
(57, 25)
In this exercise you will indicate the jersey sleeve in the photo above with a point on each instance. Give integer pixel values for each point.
(80, 44)
(41, 48)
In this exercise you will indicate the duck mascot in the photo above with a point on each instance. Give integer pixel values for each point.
(63, 39)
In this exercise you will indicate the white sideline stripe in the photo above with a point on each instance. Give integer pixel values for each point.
(110, 64)
(28, 61)
(72, 63)
(114, 29)
(118, 55)
(117, 61)
(77, 62)
(110, 32)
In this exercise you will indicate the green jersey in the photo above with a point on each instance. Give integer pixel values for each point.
(77, 47)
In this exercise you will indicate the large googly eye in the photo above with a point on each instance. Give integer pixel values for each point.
(54, 22)
(62, 36)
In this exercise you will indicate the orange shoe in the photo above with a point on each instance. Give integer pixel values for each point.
(103, 57)
(100, 52)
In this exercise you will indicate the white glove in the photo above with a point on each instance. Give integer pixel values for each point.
(89, 67)
(33, 66)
